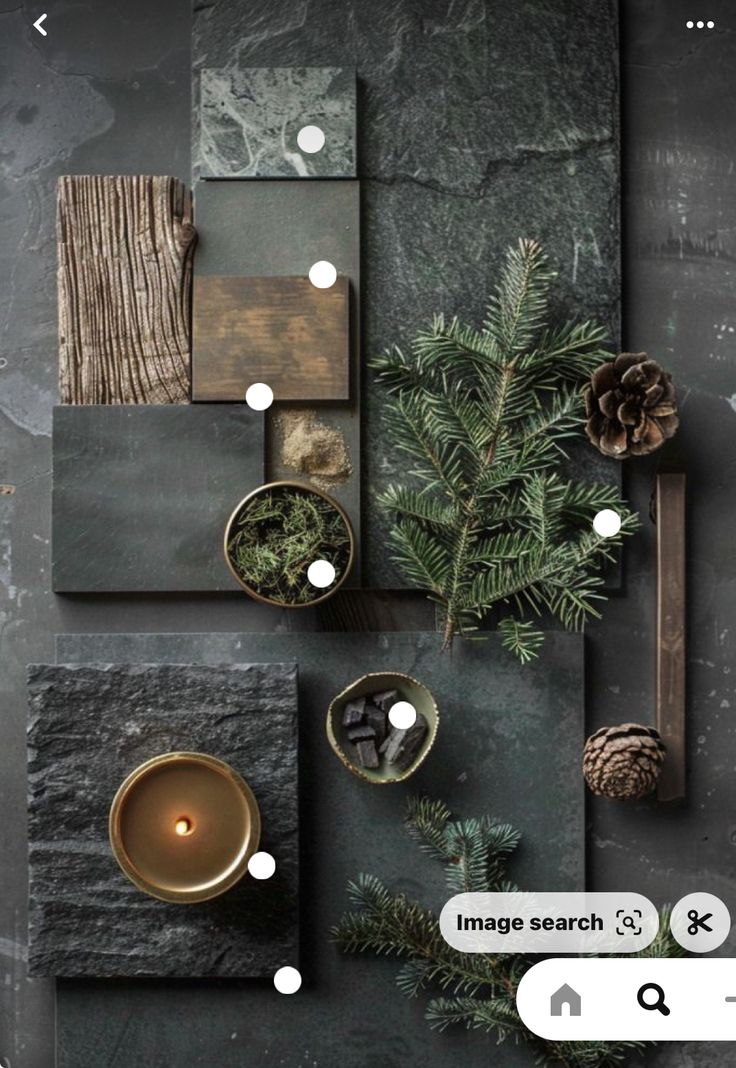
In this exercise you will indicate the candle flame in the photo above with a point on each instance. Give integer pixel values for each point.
(183, 826)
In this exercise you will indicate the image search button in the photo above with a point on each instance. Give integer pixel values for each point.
(539, 922)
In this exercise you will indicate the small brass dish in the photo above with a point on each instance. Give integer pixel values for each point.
(183, 827)
(251, 590)
(410, 690)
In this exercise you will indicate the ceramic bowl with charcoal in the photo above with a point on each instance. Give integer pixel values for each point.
(375, 744)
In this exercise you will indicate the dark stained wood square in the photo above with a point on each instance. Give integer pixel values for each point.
(281, 330)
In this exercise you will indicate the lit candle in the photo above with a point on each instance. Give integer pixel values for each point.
(183, 827)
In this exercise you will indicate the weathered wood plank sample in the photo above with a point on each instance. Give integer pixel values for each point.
(671, 651)
(89, 727)
(142, 494)
(283, 331)
(124, 281)
(281, 228)
(249, 122)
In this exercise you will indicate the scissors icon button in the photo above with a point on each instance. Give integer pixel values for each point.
(698, 922)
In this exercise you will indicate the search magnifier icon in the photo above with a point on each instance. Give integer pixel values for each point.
(658, 1002)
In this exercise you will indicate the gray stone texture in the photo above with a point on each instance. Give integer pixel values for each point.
(89, 727)
(142, 494)
(282, 228)
(479, 122)
(249, 119)
(507, 739)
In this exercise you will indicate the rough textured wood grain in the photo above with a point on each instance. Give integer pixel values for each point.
(280, 330)
(124, 275)
(671, 632)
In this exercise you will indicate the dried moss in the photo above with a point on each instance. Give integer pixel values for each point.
(278, 534)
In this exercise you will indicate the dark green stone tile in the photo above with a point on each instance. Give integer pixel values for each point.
(249, 121)
(142, 494)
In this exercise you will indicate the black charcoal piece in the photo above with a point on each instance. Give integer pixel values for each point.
(142, 494)
(353, 712)
(386, 699)
(367, 755)
(411, 743)
(361, 733)
(377, 719)
(393, 743)
(89, 726)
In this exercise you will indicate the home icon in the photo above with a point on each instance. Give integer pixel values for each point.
(565, 996)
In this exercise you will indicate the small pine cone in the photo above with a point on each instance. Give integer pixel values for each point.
(623, 762)
(631, 406)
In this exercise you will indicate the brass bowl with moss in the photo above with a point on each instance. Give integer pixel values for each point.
(409, 689)
(276, 532)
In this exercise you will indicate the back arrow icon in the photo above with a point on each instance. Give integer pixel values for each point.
(37, 25)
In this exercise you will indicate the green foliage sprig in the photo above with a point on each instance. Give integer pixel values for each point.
(278, 534)
(486, 519)
(478, 989)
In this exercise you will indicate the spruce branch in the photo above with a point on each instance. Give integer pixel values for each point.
(486, 518)
(476, 990)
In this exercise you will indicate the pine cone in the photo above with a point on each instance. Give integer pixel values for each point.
(623, 762)
(631, 406)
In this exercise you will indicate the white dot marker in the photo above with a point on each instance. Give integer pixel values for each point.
(690, 24)
(402, 715)
(287, 980)
(321, 574)
(322, 274)
(701, 24)
(261, 865)
(310, 139)
(607, 523)
(710, 24)
(259, 396)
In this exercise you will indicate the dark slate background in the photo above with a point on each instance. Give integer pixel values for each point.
(108, 90)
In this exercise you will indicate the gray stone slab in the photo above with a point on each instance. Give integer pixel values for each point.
(509, 744)
(89, 726)
(142, 494)
(478, 126)
(249, 121)
(282, 228)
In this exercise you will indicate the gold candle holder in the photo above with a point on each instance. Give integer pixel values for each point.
(183, 827)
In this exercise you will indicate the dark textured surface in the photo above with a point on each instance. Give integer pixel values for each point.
(248, 122)
(479, 122)
(108, 92)
(282, 228)
(492, 754)
(89, 727)
(142, 494)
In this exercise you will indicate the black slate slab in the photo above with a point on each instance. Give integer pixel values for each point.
(249, 122)
(509, 743)
(282, 228)
(142, 494)
(89, 726)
